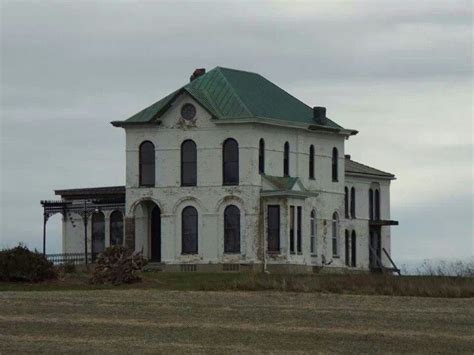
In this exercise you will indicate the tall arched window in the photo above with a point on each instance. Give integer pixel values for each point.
(189, 230)
(346, 202)
(231, 229)
(347, 249)
(98, 233)
(353, 249)
(377, 204)
(188, 163)
(314, 231)
(371, 204)
(335, 234)
(261, 156)
(230, 162)
(116, 228)
(286, 160)
(335, 158)
(353, 203)
(147, 164)
(311, 162)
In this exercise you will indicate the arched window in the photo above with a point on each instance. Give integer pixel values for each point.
(377, 204)
(98, 234)
(371, 204)
(261, 156)
(335, 158)
(188, 163)
(347, 249)
(346, 202)
(189, 230)
(286, 160)
(311, 162)
(116, 228)
(231, 229)
(230, 162)
(147, 164)
(335, 234)
(314, 231)
(353, 249)
(353, 203)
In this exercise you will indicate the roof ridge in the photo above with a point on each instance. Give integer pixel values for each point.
(233, 91)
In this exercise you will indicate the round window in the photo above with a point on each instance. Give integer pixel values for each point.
(188, 111)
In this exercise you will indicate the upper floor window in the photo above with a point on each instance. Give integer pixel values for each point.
(188, 163)
(346, 202)
(377, 204)
(335, 158)
(147, 164)
(232, 229)
(286, 160)
(311, 162)
(189, 230)
(371, 204)
(261, 156)
(353, 203)
(335, 234)
(230, 162)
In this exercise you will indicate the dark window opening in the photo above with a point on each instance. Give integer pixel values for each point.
(311, 162)
(116, 228)
(292, 229)
(230, 162)
(313, 232)
(347, 249)
(98, 234)
(371, 204)
(273, 228)
(353, 249)
(298, 229)
(261, 156)
(353, 203)
(346, 202)
(335, 158)
(188, 163)
(231, 229)
(189, 230)
(377, 204)
(286, 160)
(335, 234)
(147, 164)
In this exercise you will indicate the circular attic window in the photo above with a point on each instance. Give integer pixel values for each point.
(188, 111)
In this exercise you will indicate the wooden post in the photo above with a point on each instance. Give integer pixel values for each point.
(45, 220)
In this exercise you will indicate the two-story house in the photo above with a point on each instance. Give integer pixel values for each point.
(230, 172)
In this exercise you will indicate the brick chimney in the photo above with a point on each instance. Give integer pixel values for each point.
(197, 73)
(319, 115)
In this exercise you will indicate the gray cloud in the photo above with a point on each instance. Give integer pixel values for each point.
(398, 71)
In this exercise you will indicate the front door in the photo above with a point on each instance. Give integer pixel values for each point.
(273, 228)
(156, 234)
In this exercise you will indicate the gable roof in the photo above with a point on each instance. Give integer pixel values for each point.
(230, 94)
(357, 169)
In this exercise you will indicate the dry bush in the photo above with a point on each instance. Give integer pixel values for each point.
(118, 265)
(456, 268)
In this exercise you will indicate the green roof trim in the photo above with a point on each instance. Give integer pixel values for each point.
(229, 94)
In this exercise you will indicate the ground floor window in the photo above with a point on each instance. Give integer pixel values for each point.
(273, 228)
(335, 234)
(116, 228)
(232, 229)
(347, 249)
(189, 230)
(313, 230)
(353, 249)
(98, 233)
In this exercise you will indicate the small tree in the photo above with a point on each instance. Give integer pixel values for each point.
(21, 264)
(117, 265)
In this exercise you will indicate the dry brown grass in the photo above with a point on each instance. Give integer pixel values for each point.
(151, 321)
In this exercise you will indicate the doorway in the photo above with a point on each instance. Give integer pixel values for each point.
(155, 234)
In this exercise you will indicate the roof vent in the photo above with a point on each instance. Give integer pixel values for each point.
(197, 73)
(319, 115)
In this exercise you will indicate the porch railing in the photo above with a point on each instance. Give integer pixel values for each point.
(71, 258)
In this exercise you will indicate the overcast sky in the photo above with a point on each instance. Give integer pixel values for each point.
(400, 72)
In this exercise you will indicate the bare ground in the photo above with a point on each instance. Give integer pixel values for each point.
(151, 321)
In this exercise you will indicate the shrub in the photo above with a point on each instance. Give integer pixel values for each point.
(21, 264)
(69, 268)
(118, 265)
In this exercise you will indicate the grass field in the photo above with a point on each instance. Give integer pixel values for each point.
(150, 320)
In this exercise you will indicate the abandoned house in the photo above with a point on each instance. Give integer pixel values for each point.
(228, 173)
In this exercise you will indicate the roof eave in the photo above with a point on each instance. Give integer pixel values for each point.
(374, 176)
(124, 124)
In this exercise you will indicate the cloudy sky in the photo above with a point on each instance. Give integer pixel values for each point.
(400, 72)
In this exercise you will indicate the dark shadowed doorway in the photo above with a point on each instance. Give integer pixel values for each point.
(156, 234)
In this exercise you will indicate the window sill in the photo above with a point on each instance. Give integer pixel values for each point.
(231, 184)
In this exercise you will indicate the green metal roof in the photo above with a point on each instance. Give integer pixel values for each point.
(235, 94)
